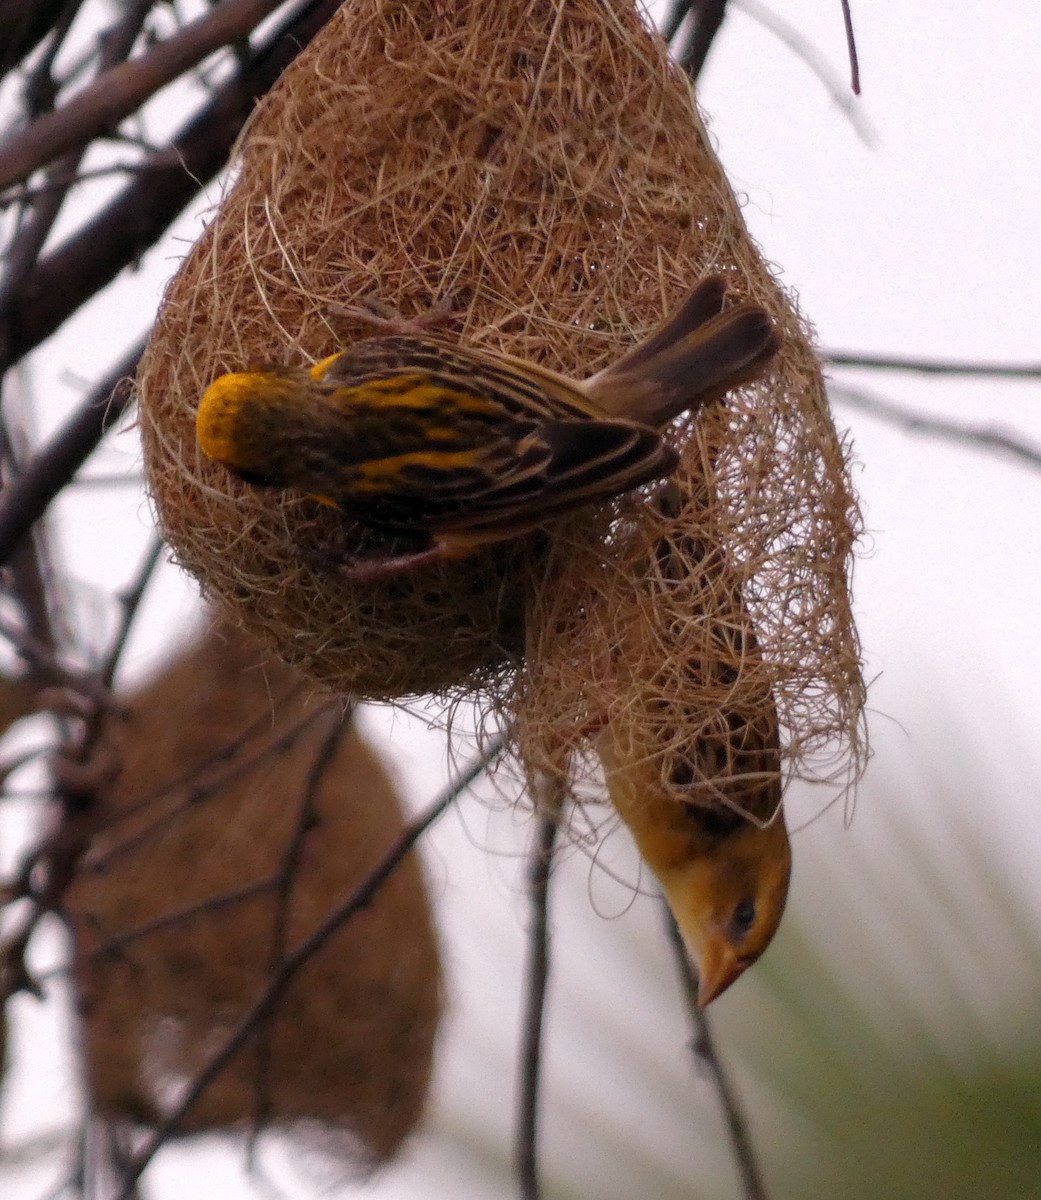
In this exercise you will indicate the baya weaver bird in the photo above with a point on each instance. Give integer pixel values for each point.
(456, 446)
(705, 812)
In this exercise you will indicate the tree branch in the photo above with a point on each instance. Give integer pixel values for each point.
(120, 91)
(980, 437)
(932, 366)
(306, 822)
(24, 25)
(142, 212)
(116, 44)
(25, 501)
(549, 811)
(804, 49)
(851, 48)
(753, 1186)
(707, 20)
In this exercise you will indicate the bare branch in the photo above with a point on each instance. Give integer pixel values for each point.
(23, 26)
(753, 1186)
(706, 17)
(549, 809)
(118, 92)
(62, 180)
(261, 725)
(46, 665)
(142, 212)
(851, 47)
(130, 602)
(113, 945)
(286, 876)
(979, 437)
(204, 789)
(804, 49)
(932, 366)
(21, 257)
(28, 578)
(671, 21)
(26, 500)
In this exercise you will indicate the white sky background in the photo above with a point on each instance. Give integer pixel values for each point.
(926, 243)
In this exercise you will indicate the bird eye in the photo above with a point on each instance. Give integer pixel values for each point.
(743, 917)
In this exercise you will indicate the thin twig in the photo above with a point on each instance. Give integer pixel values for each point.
(979, 437)
(132, 222)
(550, 807)
(804, 49)
(228, 749)
(34, 588)
(45, 664)
(111, 479)
(114, 944)
(932, 366)
(201, 792)
(21, 255)
(47, 869)
(31, 581)
(707, 17)
(118, 92)
(27, 498)
(116, 44)
(306, 821)
(753, 1186)
(674, 18)
(362, 896)
(130, 601)
(39, 88)
(851, 47)
(55, 181)
(23, 26)
(43, 877)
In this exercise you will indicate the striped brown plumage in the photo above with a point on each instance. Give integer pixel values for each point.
(413, 433)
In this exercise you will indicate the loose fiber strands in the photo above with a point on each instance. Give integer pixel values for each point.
(218, 757)
(543, 165)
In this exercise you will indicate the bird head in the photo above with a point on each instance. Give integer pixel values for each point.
(728, 901)
(242, 422)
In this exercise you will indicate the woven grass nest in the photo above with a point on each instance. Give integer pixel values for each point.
(541, 164)
(231, 778)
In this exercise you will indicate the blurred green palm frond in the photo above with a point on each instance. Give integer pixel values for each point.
(890, 1044)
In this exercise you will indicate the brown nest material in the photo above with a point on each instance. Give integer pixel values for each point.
(242, 813)
(544, 166)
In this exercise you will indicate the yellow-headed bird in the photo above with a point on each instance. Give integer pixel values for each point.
(722, 856)
(457, 446)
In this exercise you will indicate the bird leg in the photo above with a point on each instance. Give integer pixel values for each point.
(336, 559)
(377, 569)
(439, 548)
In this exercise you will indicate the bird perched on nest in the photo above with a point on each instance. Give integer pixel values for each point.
(704, 807)
(415, 435)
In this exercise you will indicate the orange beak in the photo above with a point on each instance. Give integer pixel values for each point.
(718, 967)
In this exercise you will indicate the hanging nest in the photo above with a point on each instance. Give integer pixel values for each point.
(242, 814)
(541, 164)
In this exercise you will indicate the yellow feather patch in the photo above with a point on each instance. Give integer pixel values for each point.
(322, 365)
(375, 476)
(216, 422)
(412, 392)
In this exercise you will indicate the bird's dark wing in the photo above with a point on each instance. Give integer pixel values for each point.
(434, 438)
